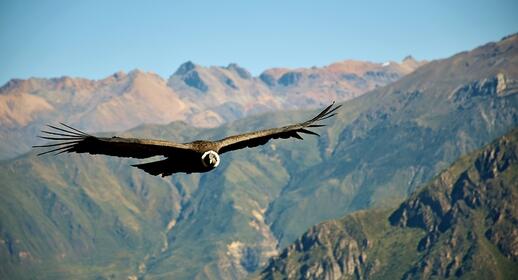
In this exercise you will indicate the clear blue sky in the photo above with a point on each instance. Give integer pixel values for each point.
(93, 39)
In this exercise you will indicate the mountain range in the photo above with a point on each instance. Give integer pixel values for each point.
(462, 224)
(90, 217)
(200, 96)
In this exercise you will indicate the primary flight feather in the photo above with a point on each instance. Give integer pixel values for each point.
(197, 156)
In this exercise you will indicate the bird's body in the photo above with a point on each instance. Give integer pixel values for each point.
(194, 157)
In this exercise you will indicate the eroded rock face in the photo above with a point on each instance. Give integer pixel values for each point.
(463, 224)
(290, 78)
(194, 80)
(457, 211)
(498, 85)
(325, 255)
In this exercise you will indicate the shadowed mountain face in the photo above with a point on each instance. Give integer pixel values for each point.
(93, 216)
(462, 224)
(201, 96)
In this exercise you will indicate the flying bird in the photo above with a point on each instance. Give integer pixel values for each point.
(194, 157)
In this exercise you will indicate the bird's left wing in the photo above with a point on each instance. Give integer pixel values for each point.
(261, 137)
(70, 140)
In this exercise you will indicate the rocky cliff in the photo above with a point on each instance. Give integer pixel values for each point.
(87, 217)
(464, 223)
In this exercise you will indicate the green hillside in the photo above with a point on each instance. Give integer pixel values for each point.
(96, 217)
(388, 142)
(462, 224)
(81, 215)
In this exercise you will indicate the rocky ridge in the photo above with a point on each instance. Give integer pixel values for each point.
(201, 96)
(103, 219)
(462, 224)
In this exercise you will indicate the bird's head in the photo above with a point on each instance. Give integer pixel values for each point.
(210, 159)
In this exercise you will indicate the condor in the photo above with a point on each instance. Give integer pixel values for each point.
(198, 156)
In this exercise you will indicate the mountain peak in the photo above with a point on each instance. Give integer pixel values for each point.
(242, 72)
(119, 75)
(185, 68)
(135, 72)
(408, 58)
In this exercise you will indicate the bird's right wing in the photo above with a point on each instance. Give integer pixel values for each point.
(70, 140)
(261, 137)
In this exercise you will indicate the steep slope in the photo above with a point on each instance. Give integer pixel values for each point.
(92, 216)
(393, 139)
(227, 223)
(462, 224)
(202, 96)
(84, 217)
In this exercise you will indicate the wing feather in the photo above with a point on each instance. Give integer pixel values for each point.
(257, 138)
(73, 140)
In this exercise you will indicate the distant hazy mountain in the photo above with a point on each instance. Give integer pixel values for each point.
(92, 216)
(463, 224)
(204, 97)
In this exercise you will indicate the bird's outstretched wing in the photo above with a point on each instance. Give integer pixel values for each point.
(261, 137)
(70, 140)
